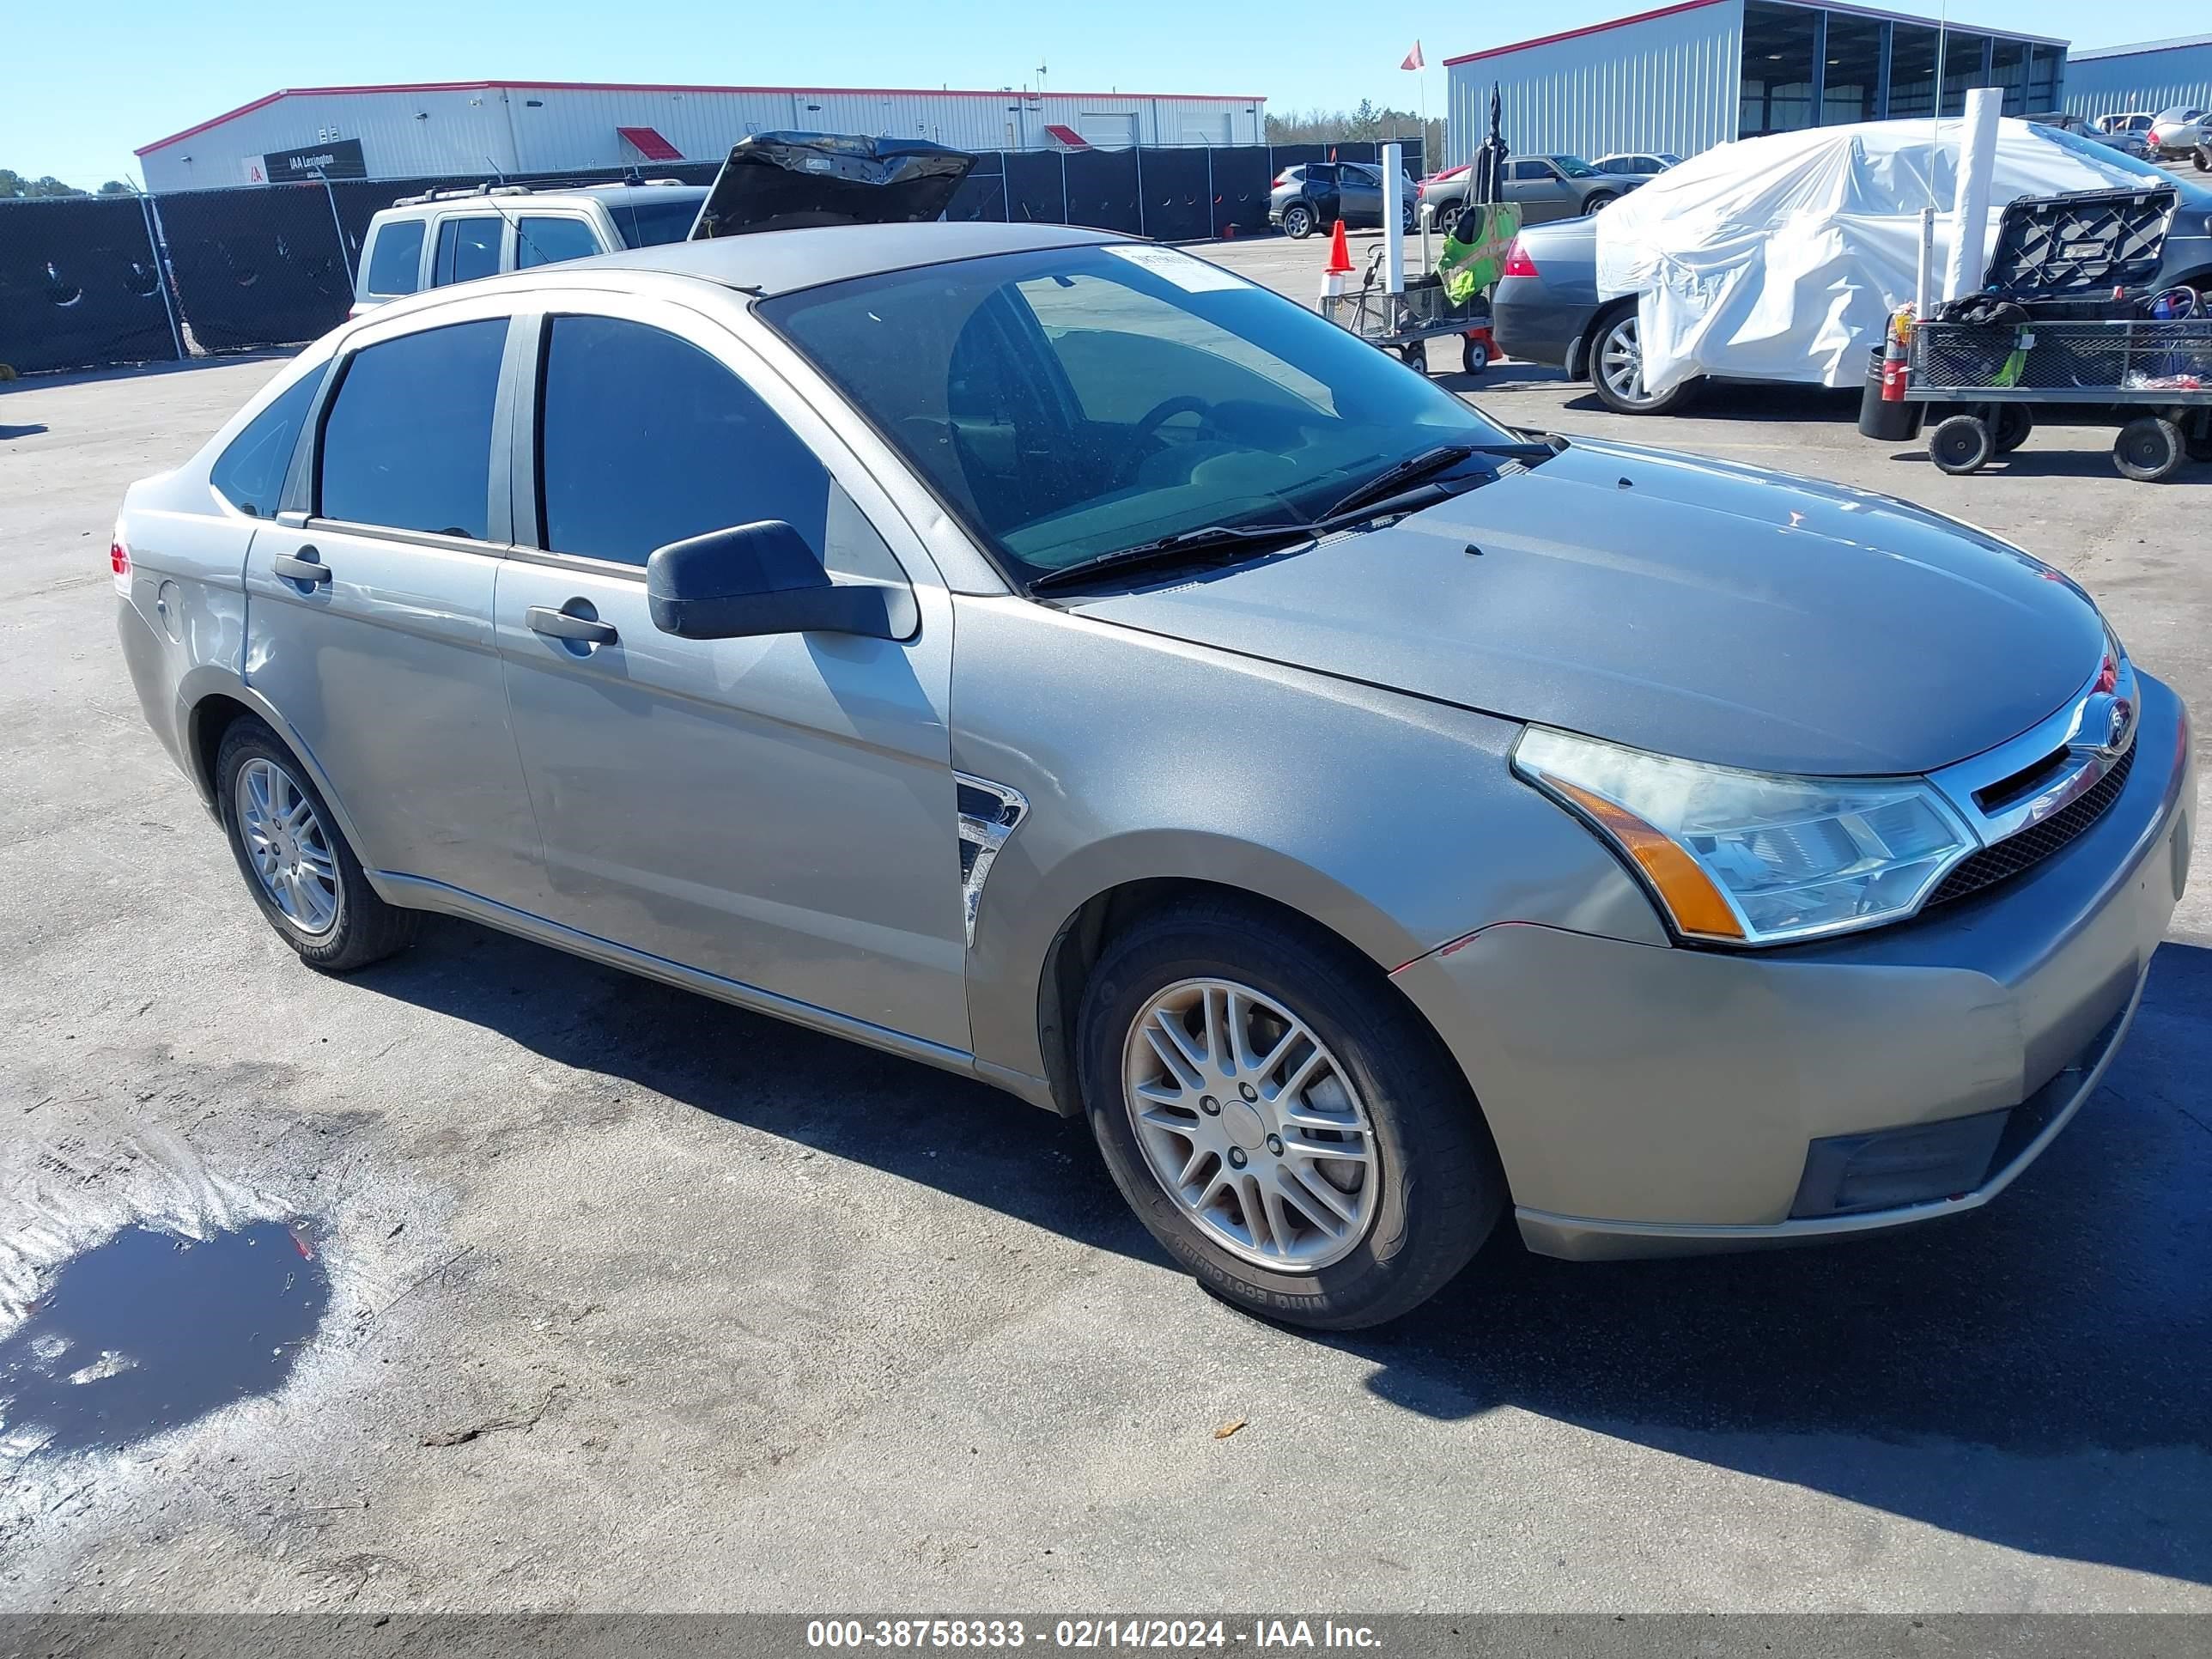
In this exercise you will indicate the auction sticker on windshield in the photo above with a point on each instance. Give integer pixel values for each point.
(1190, 275)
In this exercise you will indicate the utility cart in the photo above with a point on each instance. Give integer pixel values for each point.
(2070, 315)
(1404, 323)
(2154, 376)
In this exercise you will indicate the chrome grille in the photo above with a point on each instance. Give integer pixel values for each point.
(2038, 842)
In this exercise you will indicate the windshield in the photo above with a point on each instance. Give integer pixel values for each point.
(2104, 156)
(1075, 401)
(649, 224)
(1573, 165)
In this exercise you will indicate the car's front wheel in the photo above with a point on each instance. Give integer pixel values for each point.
(296, 861)
(1297, 221)
(1617, 368)
(1283, 1123)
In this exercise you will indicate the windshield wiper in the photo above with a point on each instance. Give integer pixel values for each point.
(1178, 549)
(1393, 479)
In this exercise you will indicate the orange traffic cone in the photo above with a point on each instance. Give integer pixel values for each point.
(1338, 266)
(1340, 253)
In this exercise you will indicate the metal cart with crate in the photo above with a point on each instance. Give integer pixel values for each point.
(2155, 376)
(1404, 323)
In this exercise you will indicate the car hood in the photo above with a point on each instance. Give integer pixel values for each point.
(1690, 607)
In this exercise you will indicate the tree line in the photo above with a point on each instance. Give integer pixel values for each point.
(1369, 123)
(15, 187)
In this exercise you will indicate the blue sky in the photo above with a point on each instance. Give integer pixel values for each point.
(87, 85)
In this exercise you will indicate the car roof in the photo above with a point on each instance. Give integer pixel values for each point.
(779, 261)
(521, 199)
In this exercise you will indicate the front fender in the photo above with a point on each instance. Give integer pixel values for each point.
(1395, 822)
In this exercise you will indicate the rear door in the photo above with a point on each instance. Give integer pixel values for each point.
(1361, 190)
(468, 245)
(548, 239)
(369, 605)
(1321, 189)
(1543, 194)
(777, 811)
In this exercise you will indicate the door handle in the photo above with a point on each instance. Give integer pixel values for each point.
(560, 625)
(307, 568)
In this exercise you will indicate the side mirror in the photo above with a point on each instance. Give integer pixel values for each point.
(763, 579)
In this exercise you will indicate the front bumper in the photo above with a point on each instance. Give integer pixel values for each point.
(1651, 1100)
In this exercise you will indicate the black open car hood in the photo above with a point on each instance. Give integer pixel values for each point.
(785, 180)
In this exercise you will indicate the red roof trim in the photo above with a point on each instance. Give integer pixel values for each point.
(656, 85)
(1572, 34)
(1067, 135)
(650, 144)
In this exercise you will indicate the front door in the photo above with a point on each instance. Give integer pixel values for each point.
(1543, 194)
(369, 612)
(778, 811)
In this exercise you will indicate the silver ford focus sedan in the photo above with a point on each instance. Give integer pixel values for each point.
(1051, 657)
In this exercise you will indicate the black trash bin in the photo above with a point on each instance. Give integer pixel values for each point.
(1890, 423)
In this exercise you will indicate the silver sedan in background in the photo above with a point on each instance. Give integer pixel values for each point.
(1049, 657)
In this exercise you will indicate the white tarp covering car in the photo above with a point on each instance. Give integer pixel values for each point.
(1778, 259)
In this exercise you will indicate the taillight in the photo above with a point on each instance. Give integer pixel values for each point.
(1283, 178)
(118, 561)
(1517, 262)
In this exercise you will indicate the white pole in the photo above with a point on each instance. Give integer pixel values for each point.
(1394, 223)
(1969, 205)
(1924, 293)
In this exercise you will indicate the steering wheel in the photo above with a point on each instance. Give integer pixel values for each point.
(1150, 422)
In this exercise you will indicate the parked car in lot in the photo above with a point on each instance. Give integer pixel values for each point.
(2135, 121)
(1546, 308)
(1546, 187)
(1313, 195)
(2126, 139)
(458, 235)
(2175, 132)
(1638, 164)
(1373, 820)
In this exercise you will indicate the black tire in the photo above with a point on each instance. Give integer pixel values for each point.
(2149, 450)
(2014, 424)
(1614, 397)
(1961, 444)
(1406, 217)
(1473, 357)
(1415, 356)
(1298, 221)
(365, 929)
(2204, 160)
(1602, 200)
(1441, 1189)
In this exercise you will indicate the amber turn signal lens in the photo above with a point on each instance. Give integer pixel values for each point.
(1688, 893)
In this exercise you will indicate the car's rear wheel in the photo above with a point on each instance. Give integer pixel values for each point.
(296, 861)
(1285, 1127)
(1297, 221)
(1617, 368)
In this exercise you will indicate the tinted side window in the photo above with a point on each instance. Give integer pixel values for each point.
(467, 249)
(250, 473)
(395, 262)
(540, 241)
(408, 441)
(644, 439)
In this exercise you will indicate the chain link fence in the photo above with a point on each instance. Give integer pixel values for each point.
(81, 277)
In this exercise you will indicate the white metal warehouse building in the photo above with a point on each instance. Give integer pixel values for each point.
(1688, 76)
(475, 127)
(2150, 76)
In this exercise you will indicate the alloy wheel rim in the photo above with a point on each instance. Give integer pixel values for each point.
(1620, 359)
(1250, 1125)
(288, 847)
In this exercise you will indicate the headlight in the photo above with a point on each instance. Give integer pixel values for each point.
(1750, 857)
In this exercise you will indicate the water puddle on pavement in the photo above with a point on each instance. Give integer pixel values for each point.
(149, 1330)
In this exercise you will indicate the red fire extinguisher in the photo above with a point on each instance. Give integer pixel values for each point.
(1894, 371)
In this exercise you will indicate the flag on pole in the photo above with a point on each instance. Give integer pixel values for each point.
(1413, 58)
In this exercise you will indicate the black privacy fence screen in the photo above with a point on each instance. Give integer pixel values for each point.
(81, 277)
